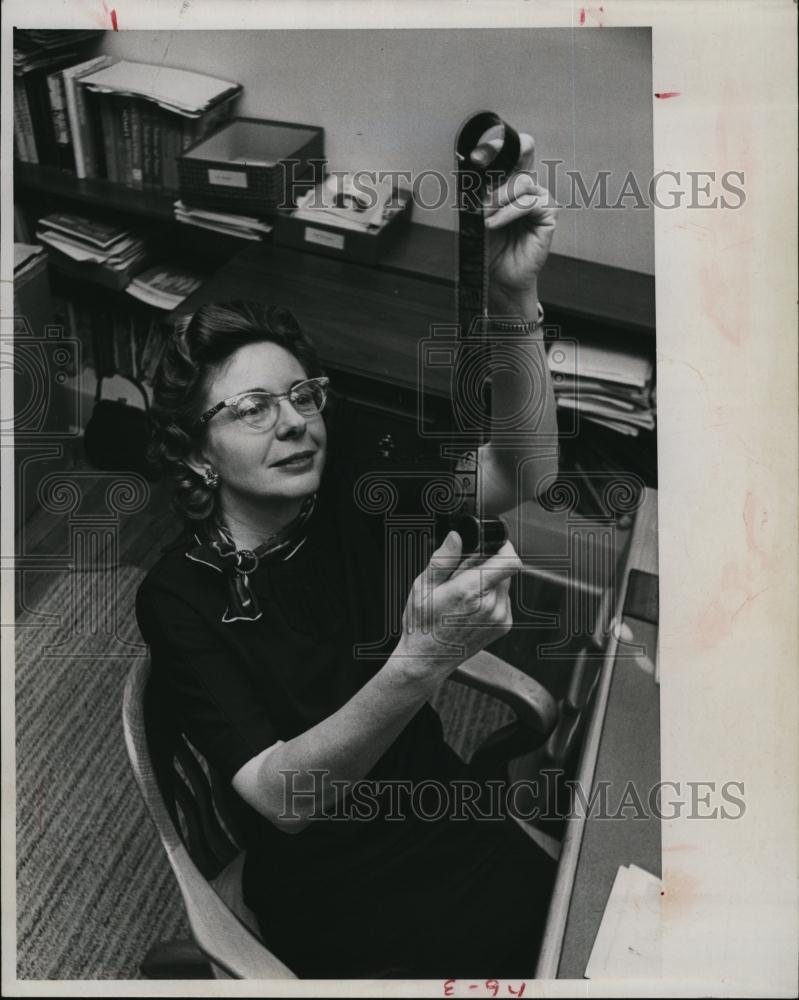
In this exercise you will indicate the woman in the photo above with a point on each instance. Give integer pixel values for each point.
(253, 617)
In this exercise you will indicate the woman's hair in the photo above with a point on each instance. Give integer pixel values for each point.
(193, 354)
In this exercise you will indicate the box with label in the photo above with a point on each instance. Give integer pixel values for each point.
(253, 166)
(352, 221)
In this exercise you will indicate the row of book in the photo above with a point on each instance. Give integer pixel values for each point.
(113, 341)
(605, 385)
(115, 119)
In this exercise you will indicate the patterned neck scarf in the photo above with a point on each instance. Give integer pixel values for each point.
(216, 548)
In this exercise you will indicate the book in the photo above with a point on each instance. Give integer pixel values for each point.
(78, 111)
(65, 157)
(108, 126)
(136, 169)
(157, 161)
(98, 234)
(164, 286)
(125, 148)
(96, 166)
(170, 149)
(152, 349)
(147, 117)
(23, 121)
(37, 95)
(32, 73)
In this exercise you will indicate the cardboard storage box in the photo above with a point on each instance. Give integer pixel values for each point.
(324, 237)
(252, 166)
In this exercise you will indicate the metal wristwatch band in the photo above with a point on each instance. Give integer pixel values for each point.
(516, 325)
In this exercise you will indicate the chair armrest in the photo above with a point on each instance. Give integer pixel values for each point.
(534, 706)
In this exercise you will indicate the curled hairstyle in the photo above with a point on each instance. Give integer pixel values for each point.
(193, 354)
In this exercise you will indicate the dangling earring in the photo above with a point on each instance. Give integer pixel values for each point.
(211, 477)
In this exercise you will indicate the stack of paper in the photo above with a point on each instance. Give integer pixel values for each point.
(340, 202)
(164, 286)
(245, 227)
(179, 90)
(627, 945)
(608, 386)
(33, 49)
(86, 240)
(52, 38)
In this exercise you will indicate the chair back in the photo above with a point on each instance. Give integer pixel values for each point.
(193, 816)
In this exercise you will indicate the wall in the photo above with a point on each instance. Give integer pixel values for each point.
(395, 99)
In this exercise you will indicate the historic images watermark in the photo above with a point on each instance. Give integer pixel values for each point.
(314, 795)
(571, 189)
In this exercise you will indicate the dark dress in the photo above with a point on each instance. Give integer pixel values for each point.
(411, 898)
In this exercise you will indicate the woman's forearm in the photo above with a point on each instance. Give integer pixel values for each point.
(296, 779)
(523, 409)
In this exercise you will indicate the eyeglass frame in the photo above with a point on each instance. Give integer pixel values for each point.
(322, 380)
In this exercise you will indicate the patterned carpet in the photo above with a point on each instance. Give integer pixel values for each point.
(94, 890)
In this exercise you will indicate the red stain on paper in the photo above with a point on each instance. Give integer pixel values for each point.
(735, 591)
(718, 302)
(595, 12)
(664, 95)
(755, 520)
(680, 892)
(112, 14)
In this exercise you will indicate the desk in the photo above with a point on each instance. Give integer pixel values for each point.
(622, 745)
(369, 320)
(364, 321)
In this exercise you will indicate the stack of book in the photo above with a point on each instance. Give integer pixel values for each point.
(114, 119)
(608, 386)
(245, 227)
(164, 286)
(97, 251)
(146, 115)
(44, 94)
(29, 260)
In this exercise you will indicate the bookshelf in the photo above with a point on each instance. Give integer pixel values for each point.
(107, 196)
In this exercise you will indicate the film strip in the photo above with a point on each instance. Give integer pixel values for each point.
(471, 396)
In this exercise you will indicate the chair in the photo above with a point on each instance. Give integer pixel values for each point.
(191, 809)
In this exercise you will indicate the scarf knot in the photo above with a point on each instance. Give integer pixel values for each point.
(215, 548)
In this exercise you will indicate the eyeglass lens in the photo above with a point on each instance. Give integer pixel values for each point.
(261, 409)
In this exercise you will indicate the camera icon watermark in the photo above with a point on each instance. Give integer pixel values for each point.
(469, 368)
(41, 367)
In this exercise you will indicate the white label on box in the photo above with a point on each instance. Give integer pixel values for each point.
(323, 238)
(230, 178)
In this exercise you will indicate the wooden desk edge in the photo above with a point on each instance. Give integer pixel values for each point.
(552, 944)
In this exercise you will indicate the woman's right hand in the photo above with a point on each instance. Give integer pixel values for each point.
(456, 608)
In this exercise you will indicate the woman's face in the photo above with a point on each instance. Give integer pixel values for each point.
(256, 465)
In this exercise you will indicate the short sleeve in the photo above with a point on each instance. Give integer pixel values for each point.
(216, 703)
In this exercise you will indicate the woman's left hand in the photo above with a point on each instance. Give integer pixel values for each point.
(520, 219)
